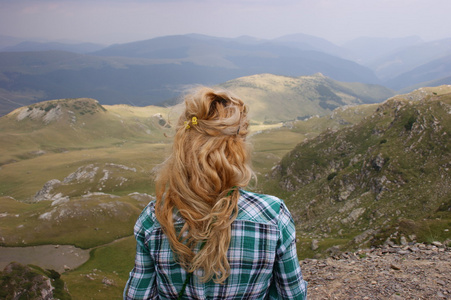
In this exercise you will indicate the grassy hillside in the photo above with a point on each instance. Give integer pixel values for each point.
(112, 262)
(72, 165)
(274, 98)
(74, 124)
(271, 144)
(384, 177)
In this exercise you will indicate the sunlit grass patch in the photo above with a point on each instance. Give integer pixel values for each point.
(107, 264)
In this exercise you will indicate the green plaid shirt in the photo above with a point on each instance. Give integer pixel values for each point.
(262, 257)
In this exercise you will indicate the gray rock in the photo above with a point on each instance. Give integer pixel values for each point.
(314, 245)
(403, 240)
(46, 192)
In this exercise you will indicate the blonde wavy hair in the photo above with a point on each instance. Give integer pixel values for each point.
(210, 160)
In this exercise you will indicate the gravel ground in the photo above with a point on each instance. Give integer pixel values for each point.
(416, 271)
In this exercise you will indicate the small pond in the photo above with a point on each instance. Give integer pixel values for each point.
(56, 257)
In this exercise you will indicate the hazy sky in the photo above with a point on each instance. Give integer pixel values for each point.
(119, 21)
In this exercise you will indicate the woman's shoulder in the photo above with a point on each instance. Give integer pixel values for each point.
(147, 218)
(259, 207)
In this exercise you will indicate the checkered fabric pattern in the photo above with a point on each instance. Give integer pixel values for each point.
(262, 257)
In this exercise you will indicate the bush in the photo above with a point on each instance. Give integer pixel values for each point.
(332, 176)
(409, 124)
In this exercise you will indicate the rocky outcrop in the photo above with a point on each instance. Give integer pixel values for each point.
(47, 193)
(88, 179)
(61, 110)
(22, 282)
(84, 173)
(47, 114)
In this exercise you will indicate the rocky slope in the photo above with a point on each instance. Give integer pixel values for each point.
(385, 177)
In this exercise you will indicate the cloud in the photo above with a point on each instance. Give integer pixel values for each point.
(113, 21)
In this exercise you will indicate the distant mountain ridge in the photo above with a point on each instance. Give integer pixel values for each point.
(7, 41)
(397, 63)
(155, 70)
(152, 71)
(141, 74)
(367, 49)
(309, 42)
(260, 56)
(52, 46)
(435, 70)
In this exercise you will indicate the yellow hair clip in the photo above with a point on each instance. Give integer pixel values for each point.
(193, 122)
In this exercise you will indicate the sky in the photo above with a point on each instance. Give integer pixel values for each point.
(120, 21)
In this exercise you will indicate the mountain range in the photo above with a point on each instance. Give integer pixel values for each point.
(159, 69)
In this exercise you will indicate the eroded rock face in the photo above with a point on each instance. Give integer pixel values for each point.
(21, 282)
(47, 192)
(93, 177)
(47, 115)
(84, 173)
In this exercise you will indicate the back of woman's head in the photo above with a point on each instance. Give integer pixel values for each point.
(209, 161)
